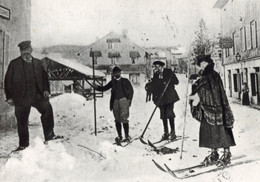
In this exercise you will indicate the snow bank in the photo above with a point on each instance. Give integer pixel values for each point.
(39, 162)
(74, 118)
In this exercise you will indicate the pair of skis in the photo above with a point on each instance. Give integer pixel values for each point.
(124, 143)
(200, 169)
(162, 149)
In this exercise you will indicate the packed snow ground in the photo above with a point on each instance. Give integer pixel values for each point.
(67, 161)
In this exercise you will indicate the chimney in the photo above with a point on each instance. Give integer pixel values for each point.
(125, 32)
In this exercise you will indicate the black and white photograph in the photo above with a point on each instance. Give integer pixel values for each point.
(129, 90)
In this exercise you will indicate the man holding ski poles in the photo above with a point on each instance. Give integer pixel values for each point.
(164, 97)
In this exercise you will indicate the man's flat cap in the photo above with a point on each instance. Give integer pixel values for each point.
(201, 58)
(116, 69)
(24, 44)
(158, 63)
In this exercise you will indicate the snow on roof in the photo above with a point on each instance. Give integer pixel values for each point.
(73, 64)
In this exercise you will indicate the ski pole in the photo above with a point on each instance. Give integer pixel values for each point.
(159, 100)
(185, 112)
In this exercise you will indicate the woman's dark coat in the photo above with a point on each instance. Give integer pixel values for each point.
(15, 81)
(170, 96)
(127, 88)
(213, 99)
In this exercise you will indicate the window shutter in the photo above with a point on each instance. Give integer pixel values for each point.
(6, 48)
(134, 54)
(248, 37)
(1, 58)
(114, 55)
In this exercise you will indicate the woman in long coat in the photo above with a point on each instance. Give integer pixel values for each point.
(213, 112)
(245, 95)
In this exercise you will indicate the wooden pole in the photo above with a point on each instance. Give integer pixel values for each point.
(185, 112)
(94, 92)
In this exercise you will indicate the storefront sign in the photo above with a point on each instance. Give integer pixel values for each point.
(226, 43)
(4, 12)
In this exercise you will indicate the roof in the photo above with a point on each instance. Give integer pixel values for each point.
(73, 64)
(220, 4)
(116, 38)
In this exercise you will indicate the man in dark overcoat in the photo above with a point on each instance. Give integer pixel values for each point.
(120, 101)
(26, 85)
(211, 107)
(166, 103)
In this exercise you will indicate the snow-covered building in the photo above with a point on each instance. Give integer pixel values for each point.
(117, 49)
(240, 23)
(168, 55)
(15, 26)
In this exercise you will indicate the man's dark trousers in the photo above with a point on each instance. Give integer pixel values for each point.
(22, 111)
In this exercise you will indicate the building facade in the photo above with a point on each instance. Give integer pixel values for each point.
(117, 50)
(240, 22)
(15, 26)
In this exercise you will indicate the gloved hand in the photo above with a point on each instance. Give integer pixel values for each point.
(46, 94)
(194, 99)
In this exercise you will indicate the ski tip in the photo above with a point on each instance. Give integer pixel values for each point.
(142, 141)
(158, 166)
(170, 171)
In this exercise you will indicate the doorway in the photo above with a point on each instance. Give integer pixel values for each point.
(229, 83)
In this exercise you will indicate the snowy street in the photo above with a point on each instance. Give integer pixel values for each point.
(68, 162)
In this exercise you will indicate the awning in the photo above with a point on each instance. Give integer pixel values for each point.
(114, 55)
(113, 40)
(75, 65)
(96, 53)
(134, 54)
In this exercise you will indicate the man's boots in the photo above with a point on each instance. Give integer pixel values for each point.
(119, 132)
(172, 135)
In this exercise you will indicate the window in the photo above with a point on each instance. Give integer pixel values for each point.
(113, 43)
(134, 78)
(243, 38)
(234, 43)
(110, 46)
(114, 60)
(227, 52)
(253, 37)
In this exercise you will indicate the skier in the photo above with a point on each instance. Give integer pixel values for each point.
(210, 106)
(160, 79)
(26, 85)
(120, 101)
